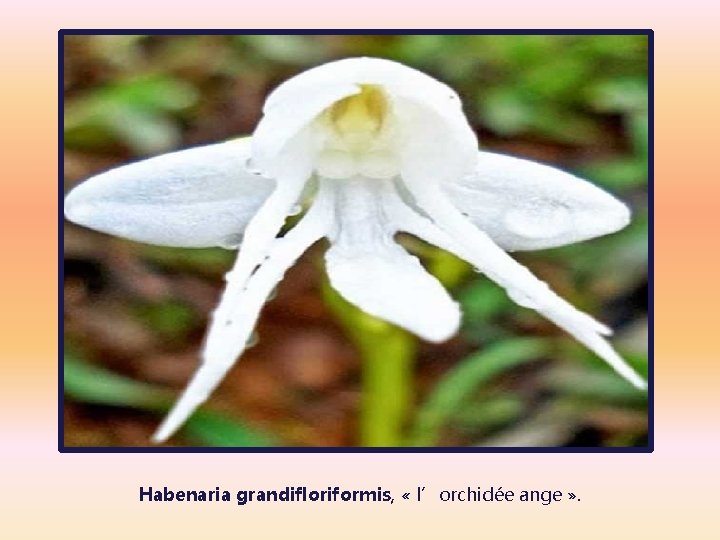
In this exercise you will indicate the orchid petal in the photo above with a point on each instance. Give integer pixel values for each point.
(524, 205)
(200, 197)
(424, 106)
(371, 271)
(421, 150)
(262, 230)
(235, 317)
(293, 170)
(456, 234)
(283, 121)
(396, 79)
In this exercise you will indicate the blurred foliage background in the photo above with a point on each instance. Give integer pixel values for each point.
(135, 314)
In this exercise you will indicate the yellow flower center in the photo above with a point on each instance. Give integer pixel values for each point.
(357, 119)
(359, 138)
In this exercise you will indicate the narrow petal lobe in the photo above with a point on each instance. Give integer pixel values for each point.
(234, 319)
(454, 232)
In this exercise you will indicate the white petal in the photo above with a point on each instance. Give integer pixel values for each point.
(432, 124)
(286, 119)
(428, 142)
(371, 271)
(524, 205)
(397, 79)
(467, 241)
(234, 319)
(263, 228)
(199, 197)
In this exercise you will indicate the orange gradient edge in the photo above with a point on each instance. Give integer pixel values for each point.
(48, 494)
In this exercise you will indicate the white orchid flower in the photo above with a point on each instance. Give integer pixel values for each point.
(374, 148)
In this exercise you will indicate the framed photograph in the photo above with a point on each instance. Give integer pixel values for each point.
(356, 241)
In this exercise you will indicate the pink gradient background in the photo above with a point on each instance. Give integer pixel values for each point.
(668, 494)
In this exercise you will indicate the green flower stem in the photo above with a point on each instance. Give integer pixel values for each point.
(388, 357)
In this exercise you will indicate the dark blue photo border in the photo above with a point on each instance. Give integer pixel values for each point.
(291, 449)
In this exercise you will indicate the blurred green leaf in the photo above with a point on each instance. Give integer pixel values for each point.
(214, 429)
(482, 300)
(622, 51)
(593, 386)
(507, 112)
(153, 94)
(137, 112)
(209, 261)
(458, 384)
(488, 414)
(290, 49)
(171, 319)
(558, 80)
(617, 173)
(565, 125)
(639, 130)
(551, 424)
(578, 353)
(121, 51)
(144, 132)
(510, 111)
(88, 383)
(620, 95)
